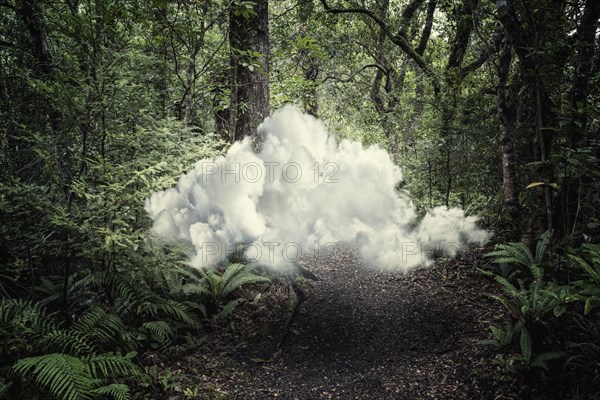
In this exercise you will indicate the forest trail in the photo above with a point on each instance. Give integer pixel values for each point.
(367, 334)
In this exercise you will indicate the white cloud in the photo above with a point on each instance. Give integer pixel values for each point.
(300, 193)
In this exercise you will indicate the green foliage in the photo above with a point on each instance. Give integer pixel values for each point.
(73, 378)
(75, 364)
(219, 286)
(528, 302)
(530, 341)
(519, 254)
(532, 303)
(581, 367)
(587, 260)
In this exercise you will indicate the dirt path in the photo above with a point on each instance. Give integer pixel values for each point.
(364, 334)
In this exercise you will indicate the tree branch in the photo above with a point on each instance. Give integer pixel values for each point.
(353, 75)
(512, 25)
(427, 27)
(398, 40)
(407, 15)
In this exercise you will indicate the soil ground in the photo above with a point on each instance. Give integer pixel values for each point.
(360, 334)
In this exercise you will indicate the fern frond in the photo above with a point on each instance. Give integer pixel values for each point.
(20, 313)
(231, 271)
(540, 248)
(117, 391)
(228, 308)
(195, 289)
(62, 341)
(179, 311)
(513, 253)
(132, 295)
(240, 280)
(541, 361)
(66, 377)
(109, 365)
(99, 327)
(161, 329)
(4, 386)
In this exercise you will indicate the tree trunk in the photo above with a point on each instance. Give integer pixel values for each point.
(507, 118)
(190, 78)
(196, 43)
(220, 110)
(308, 62)
(249, 43)
(41, 53)
(160, 50)
(420, 84)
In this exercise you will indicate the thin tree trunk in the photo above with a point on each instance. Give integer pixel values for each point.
(221, 112)
(308, 62)
(507, 118)
(195, 44)
(190, 78)
(420, 84)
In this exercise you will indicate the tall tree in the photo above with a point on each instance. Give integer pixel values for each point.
(249, 46)
(507, 117)
(308, 62)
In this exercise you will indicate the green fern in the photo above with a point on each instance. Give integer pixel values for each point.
(159, 330)
(530, 302)
(110, 366)
(217, 287)
(75, 367)
(66, 377)
(519, 254)
(25, 314)
(4, 387)
(99, 326)
(220, 286)
(541, 360)
(90, 334)
(73, 378)
(65, 341)
(587, 260)
(117, 391)
(155, 302)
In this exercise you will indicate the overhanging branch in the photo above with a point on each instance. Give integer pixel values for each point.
(355, 73)
(397, 39)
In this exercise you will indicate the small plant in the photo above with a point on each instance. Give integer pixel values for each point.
(218, 287)
(532, 301)
(588, 286)
(582, 367)
(77, 378)
(74, 363)
(519, 255)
